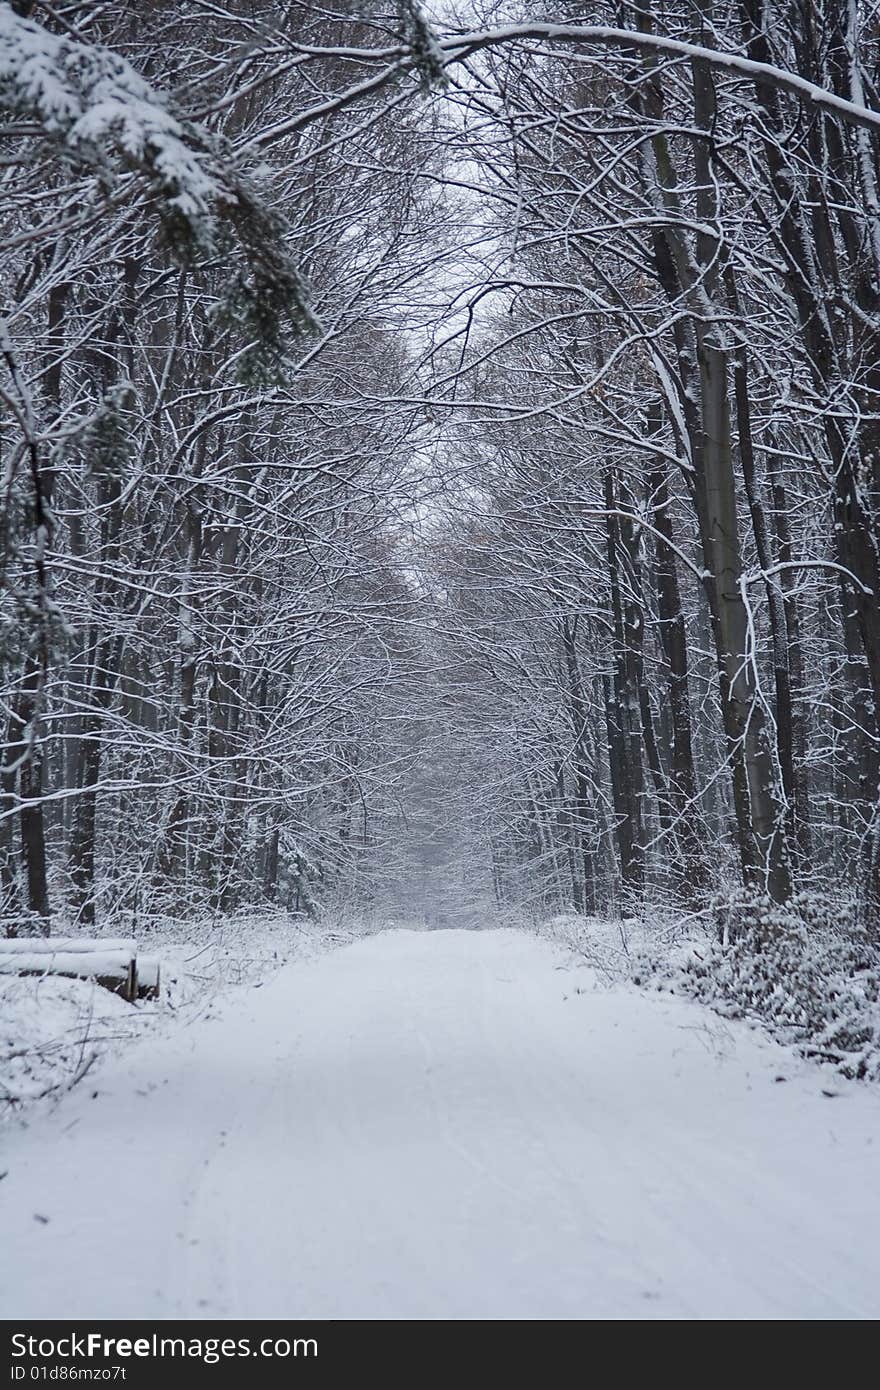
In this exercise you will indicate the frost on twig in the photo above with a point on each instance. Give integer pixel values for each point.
(107, 118)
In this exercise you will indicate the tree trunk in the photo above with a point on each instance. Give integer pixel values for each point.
(622, 718)
(673, 640)
(578, 714)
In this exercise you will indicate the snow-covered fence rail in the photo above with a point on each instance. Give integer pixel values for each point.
(111, 963)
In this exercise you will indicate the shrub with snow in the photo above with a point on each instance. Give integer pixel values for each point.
(803, 967)
(805, 970)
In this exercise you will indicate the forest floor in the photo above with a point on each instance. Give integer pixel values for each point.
(449, 1124)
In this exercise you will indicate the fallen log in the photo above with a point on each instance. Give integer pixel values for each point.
(114, 970)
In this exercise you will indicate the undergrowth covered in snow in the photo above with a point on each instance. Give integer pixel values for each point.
(803, 971)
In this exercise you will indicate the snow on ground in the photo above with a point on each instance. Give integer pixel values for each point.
(448, 1125)
(53, 1030)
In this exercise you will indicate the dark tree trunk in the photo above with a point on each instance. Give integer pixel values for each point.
(797, 832)
(673, 640)
(579, 716)
(622, 715)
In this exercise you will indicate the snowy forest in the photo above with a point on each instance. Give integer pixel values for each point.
(449, 451)
(441, 479)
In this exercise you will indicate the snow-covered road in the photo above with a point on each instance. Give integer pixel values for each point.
(448, 1125)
